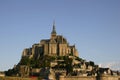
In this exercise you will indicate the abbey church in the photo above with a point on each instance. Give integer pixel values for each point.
(55, 59)
(57, 45)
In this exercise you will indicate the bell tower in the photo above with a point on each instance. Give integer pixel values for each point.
(53, 33)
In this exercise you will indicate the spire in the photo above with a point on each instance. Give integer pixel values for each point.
(53, 30)
(53, 33)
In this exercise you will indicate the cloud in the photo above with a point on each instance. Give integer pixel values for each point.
(111, 65)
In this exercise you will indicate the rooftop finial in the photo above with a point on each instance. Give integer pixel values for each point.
(53, 23)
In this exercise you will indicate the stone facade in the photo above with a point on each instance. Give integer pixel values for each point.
(57, 45)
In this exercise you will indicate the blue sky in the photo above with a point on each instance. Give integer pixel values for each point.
(92, 25)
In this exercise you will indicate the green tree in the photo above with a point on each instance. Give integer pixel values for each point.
(92, 63)
(25, 61)
(68, 62)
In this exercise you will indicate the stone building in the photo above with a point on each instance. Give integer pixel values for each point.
(57, 45)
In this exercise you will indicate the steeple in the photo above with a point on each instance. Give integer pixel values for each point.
(53, 33)
(53, 30)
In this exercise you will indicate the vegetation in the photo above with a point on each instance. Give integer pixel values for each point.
(25, 61)
(63, 62)
(68, 62)
(12, 72)
(91, 63)
(43, 61)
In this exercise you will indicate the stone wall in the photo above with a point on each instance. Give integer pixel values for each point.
(89, 78)
(110, 78)
(18, 78)
(65, 78)
(77, 78)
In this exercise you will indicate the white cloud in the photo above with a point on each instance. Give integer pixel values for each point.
(111, 65)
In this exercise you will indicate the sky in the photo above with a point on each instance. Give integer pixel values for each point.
(92, 25)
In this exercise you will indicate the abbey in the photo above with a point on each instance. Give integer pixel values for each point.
(55, 59)
(57, 45)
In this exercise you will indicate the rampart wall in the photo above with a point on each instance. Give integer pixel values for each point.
(89, 78)
(67, 78)
(110, 78)
(17, 78)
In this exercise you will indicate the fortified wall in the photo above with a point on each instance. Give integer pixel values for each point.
(67, 78)
(89, 78)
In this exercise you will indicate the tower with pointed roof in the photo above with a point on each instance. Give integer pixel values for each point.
(53, 33)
